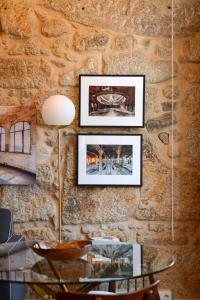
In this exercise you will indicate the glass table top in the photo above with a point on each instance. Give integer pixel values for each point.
(103, 263)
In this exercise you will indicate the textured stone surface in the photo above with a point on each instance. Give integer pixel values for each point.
(123, 43)
(186, 10)
(67, 79)
(150, 104)
(191, 50)
(191, 102)
(91, 66)
(138, 63)
(148, 151)
(167, 106)
(188, 260)
(154, 205)
(164, 137)
(33, 47)
(163, 52)
(191, 145)
(17, 18)
(188, 209)
(16, 73)
(192, 73)
(165, 120)
(92, 42)
(60, 46)
(55, 27)
(44, 174)
(37, 204)
(59, 63)
(140, 17)
(80, 203)
(168, 92)
(41, 233)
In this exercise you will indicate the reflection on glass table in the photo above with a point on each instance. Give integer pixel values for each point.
(104, 263)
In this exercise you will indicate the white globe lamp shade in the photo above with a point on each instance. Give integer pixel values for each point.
(58, 110)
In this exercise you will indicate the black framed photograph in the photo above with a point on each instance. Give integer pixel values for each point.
(105, 159)
(112, 100)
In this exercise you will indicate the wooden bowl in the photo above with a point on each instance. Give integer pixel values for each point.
(62, 251)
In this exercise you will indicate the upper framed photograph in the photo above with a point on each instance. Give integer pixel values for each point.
(112, 100)
(114, 159)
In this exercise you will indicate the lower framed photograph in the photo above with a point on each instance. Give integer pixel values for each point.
(105, 159)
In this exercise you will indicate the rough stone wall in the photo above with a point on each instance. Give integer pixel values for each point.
(44, 46)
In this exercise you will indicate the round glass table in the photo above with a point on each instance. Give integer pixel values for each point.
(104, 263)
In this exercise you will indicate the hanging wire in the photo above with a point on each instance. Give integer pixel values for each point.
(172, 134)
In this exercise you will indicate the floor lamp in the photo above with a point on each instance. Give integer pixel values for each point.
(58, 111)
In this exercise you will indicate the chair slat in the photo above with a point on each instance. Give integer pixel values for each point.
(148, 293)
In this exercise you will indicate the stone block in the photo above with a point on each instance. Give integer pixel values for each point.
(191, 73)
(142, 18)
(123, 43)
(162, 52)
(165, 120)
(155, 194)
(38, 233)
(55, 27)
(60, 46)
(191, 102)
(68, 79)
(191, 145)
(31, 47)
(122, 236)
(186, 195)
(80, 203)
(59, 63)
(98, 41)
(168, 92)
(23, 73)
(186, 17)
(157, 227)
(91, 66)
(151, 93)
(17, 18)
(191, 50)
(87, 229)
(139, 63)
(167, 106)
(149, 151)
(164, 137)
(4, 43)
(45, 174)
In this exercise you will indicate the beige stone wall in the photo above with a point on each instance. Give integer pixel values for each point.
(44, 46)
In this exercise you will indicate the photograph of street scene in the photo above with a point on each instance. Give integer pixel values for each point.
(112, 101)
(109, 159)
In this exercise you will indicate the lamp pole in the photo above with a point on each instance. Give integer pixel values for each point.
(60, 188)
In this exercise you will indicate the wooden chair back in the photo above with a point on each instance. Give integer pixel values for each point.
(148, 293)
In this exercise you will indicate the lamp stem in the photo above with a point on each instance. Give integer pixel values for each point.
(59, 184)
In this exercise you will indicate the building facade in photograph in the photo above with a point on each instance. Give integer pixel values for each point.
(17, 145)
